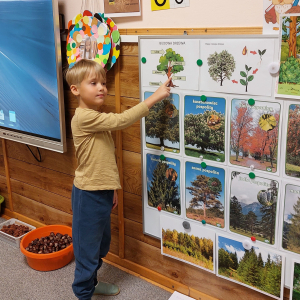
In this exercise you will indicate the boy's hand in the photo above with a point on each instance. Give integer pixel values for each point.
(164, 90)
(161, 93)
(115, 200)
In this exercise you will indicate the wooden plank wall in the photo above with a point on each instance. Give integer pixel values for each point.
(41, 194)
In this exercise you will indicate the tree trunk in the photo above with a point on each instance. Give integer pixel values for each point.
(293, 37)
(237, 155)
(247, 87)
(221, 80)
(204, 210)
(161, 141)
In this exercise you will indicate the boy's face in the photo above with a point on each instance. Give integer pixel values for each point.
(91, 91)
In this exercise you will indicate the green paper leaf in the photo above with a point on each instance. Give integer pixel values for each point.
(243, 74)
(250, 78)
(243, 82)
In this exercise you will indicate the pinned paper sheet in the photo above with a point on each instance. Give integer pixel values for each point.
(179, 296)
(160, 4)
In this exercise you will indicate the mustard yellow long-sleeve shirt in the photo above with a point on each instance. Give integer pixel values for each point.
(94, 146)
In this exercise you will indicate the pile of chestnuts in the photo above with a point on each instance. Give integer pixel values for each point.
(15, 230)
(49, 244)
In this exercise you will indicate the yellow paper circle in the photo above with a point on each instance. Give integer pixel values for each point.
(86, 20)
(77, 18)
(78, 38)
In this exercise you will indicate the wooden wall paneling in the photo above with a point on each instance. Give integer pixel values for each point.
(43, 178)
(61, 162)
(133, 209)
(4, 193)
(42, 196)
(119, 155)
(7, 174)
(192, 31)
(129, 49)
(132, 172)
(40, 212)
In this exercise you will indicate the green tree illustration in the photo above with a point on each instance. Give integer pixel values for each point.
(158, 124)
(170, 63)
(268, 221)
(247, 79)
(163, 191)
(202, 192)
(236, 215)
(221, 66)
(294, 232)
(198, 133)
(251, 221)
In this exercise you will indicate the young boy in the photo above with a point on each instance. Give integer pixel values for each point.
(96, 177)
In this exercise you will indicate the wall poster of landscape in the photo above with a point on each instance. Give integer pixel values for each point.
(204, 127)
(291, 219)
(253, 207)
(204, 194)
(162, 124)
(258, 268)
(295, 284)
(163, 183)
(195, 246)
(292, 162)
(254, 134)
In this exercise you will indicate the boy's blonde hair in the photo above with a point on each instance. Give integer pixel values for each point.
(82, 69)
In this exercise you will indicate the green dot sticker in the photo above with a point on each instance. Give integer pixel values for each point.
(251, 102)
(162, 157)
(199, 62)
(203, 222)
(203, 98)
(251, 175)
(203, 165)
(144, 60)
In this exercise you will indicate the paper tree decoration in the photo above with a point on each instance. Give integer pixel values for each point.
(93, 37)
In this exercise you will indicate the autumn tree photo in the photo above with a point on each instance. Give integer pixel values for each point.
(171, 63)
(241, 129)
(159, 124)
(221, 66)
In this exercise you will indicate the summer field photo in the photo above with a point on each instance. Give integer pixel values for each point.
(204, 127)
(193, 246)
(291, 221)
(254, 134)
(204, 194)
(162, 124)
(253, 207)
(257, 268)
(163, 183)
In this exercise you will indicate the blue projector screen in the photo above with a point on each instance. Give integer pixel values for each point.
(28, 72)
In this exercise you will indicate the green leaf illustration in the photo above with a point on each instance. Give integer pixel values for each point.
(243, 74)
(259, 52)
(243, 82)
(263, 52)
(249, 68)
(246, 68)
(250, 78)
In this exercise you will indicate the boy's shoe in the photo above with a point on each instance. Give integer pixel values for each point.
(106, 289)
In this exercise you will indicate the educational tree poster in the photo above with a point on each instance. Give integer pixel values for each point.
(291, 228)
(254, 134)
(258, 268)
(204, 194)
(162, 124)
(244, 66)
(204, 127)
(289, 73)
(162, 59)
(193, 246)
(163, 183)
(253, 206)
(292, 162)
(273, 9)
(295, 286)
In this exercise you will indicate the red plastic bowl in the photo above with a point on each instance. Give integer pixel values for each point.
(51, 261)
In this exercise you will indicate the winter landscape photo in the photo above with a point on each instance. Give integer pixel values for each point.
(204, 127)
(291, 221)
(163, 183)
(254, 134)
(257, 268)
(253, 207)
(204, 194)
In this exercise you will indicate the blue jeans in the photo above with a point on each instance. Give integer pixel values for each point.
(91, 237)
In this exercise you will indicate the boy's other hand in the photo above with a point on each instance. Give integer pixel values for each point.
(115, 200)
